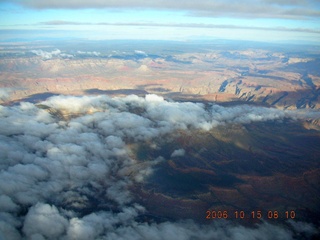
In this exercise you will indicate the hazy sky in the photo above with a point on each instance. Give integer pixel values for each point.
(263, 20)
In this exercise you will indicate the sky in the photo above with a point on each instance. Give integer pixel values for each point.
(259, 20)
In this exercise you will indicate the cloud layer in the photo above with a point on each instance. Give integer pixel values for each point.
(227, 8)
(180, 25)
(66, 170)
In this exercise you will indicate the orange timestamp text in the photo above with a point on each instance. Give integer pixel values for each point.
(257, 214)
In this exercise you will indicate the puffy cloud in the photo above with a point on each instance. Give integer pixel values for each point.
(178, 153)
(48, 55)
(64, 168)
(44, 220)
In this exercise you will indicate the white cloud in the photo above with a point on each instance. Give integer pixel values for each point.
(140, 52)
(178, 153)
(94, 53)
(65, 55)
(46, 55)
(49, 55)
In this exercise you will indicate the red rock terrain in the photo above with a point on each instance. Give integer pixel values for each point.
(218, 175)
(249, 76)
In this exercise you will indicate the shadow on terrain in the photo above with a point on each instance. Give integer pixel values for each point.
(35, 98)
(307, 98)
(266, 166)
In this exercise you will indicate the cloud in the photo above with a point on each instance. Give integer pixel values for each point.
(220, 8)
(46, 55)
(5, 94)
(65, 55)
(6, 204)
(140, 52)
(67, 172)
(178, 153)
(44, 220)
(307, 229)
(94, 53)
(95, 226)
(49, 55)
(183, 25)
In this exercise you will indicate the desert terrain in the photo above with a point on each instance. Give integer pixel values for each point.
(277, 77)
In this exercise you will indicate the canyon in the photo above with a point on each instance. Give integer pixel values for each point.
(282, 79)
